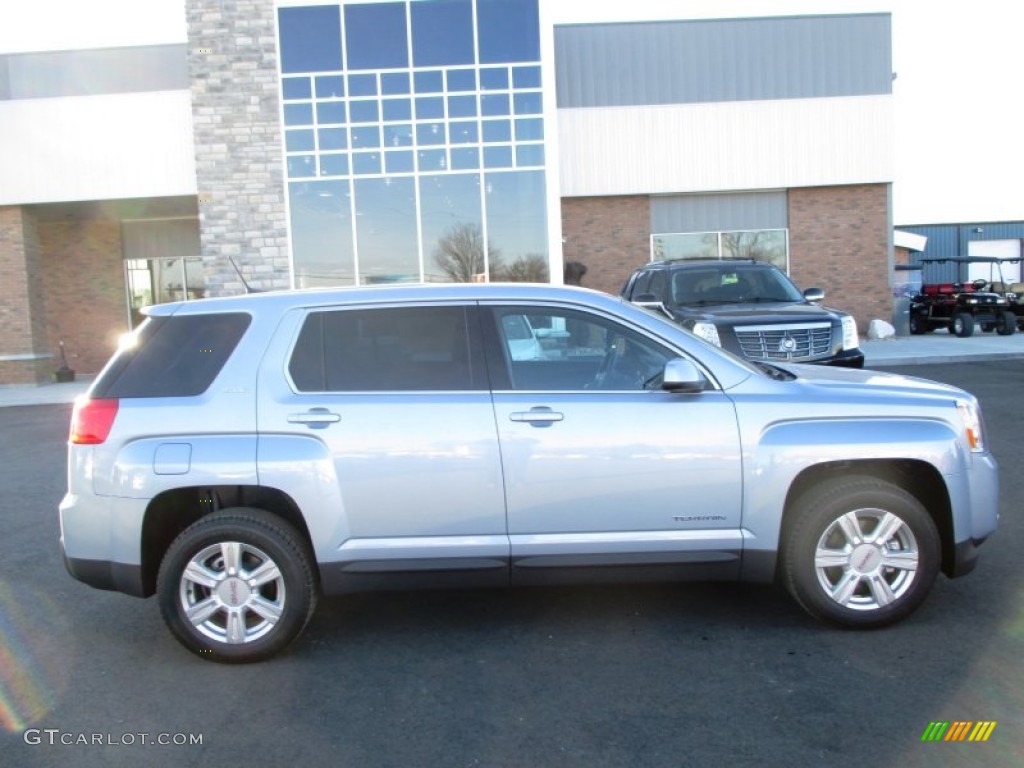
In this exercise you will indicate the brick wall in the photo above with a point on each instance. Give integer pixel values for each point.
(83, 289)
(233, 70)
(610, 235)
(839, 240)
(22, 311)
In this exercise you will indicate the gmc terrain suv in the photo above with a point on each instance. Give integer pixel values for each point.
(246, 455)
(750, 308)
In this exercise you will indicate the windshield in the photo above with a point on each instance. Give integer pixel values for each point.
(732, 285)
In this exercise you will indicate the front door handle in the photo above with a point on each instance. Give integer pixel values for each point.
(538, 416)
(316, 418)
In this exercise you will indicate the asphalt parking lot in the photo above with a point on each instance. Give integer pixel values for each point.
(663, 675)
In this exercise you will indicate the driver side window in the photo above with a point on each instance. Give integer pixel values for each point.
(547, 349)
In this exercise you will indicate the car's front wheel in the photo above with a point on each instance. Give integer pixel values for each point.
(237, 586)
(860, 552)
(1007, 324)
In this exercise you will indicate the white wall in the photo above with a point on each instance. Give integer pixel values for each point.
(96, 148)
(725, 146)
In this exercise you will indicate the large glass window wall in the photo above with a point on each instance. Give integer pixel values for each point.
(414, 141)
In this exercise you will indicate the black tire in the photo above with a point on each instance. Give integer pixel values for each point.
(836, 522)
(1007, 324)
(919, 325)
(241, 618)
(963, 324)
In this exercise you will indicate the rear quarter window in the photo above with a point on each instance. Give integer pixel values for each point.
(176, 356)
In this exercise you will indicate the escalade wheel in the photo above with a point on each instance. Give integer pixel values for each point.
(237, 586)
(860, 552)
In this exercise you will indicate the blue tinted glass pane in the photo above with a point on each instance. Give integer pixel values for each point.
(362, 85)
(333, 138)
(366, 162)
(298, 114)
(298, 141)
(334, 165)
(461, 80)
(462, 106)
(310, 39)
(465, 158)
(386, 229)
(432, 160)
(375, 36)
(497, 130)
(494, 104)
(330, 112)
(442, 33)
(398, 135)
(494, 79)
(365, 137)
(529, 154)
(526, 77)
(450, 211)
(497, 157)
(517, 214)
(428, 82)
(397, 109)
(330, 87)
(530, 129)
(509, 30)
(394, 83)
(429, 108)
(398, 162)
(321, 229)
(301, 166)
(429, 133)
(527, 103)
(363, 111)
(462, 132)
(295, 88)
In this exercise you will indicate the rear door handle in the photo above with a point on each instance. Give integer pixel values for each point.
(316, 418)
(539, 416)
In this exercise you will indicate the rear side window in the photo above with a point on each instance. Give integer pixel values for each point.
(177, 356)
(387, 350)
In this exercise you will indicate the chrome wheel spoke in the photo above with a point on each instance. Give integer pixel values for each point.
(849, 524)
(231, 551)
(831, 558)
(903, 561)
(846, 587)
(880, 589)
(234, 629)
(887, 527)
(199, 612)
(265, 608)
(199, 574)
(265, 573)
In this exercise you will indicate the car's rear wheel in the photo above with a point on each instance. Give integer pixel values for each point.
(1007, 323)
(860, 552)
(963, 324)
(919, 325)
(237, 586)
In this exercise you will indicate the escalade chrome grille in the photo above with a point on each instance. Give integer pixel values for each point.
(785, 343)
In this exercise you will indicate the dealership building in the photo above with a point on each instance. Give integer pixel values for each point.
(305, 143)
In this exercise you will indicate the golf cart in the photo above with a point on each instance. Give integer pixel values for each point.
(963, 306)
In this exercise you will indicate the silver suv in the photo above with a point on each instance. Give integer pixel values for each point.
(246, 455)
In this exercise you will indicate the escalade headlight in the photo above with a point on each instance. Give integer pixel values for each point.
(851, 339)
(971, 417)
(708, 332)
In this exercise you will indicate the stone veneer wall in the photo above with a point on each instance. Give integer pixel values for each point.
(22, 312)
(239, 167)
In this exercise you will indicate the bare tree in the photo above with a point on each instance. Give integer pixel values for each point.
(459, 254)
(532, 268)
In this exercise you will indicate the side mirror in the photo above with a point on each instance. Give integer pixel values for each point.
(814, 294)
(681, 375)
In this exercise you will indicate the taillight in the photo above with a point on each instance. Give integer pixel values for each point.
(91, 421)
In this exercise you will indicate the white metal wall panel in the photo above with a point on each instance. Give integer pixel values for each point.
(96, 148)
(725, 146)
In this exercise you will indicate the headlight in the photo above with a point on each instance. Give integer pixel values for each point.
(708, 332)
(851, 339)
(971, 417)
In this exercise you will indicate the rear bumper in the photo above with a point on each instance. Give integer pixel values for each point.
(116, 577)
